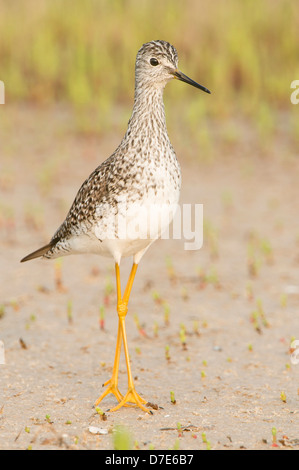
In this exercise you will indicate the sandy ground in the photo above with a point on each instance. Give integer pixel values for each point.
(228, 378)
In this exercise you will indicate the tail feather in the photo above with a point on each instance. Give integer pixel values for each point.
(40, 252)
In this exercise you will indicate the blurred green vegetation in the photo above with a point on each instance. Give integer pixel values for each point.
(83, 53)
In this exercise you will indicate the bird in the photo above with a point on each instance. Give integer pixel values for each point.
(129, 200)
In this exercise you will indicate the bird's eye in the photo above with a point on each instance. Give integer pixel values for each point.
(154, 61)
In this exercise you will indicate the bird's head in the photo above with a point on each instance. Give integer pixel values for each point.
(157, 64)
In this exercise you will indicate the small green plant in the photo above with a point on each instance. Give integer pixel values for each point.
(254, 318)
(167, 353)
(156, 329)
(2, 311)
(183, 336)
(122, 438)
(179, 429)
(140, 329)
(166, 309)
(212, 277)
(266, 250)
(283, 397)
(170, 269)
(70, 312)
(31, 320)
(261, 313)
(172, 397)
(102, 317)
(253, 261)
(157, 297)
(274, 437)
(205, 441)
(176, 445)
(258, 317)
(101, 413)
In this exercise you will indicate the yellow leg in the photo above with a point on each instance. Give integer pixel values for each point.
(122, 309)
(113, 382)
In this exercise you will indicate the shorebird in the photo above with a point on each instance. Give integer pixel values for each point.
(128, 200)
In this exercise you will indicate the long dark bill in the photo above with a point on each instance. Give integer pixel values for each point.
(181, 76)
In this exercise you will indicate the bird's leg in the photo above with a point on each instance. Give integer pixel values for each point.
(113, 382)
(122, 308)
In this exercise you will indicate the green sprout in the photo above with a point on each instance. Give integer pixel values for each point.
(122, 438)
(172, 397)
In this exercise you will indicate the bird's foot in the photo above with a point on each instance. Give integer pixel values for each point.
(132, 398)
(111, 388)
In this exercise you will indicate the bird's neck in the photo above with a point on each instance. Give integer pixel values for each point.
(148, 115)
